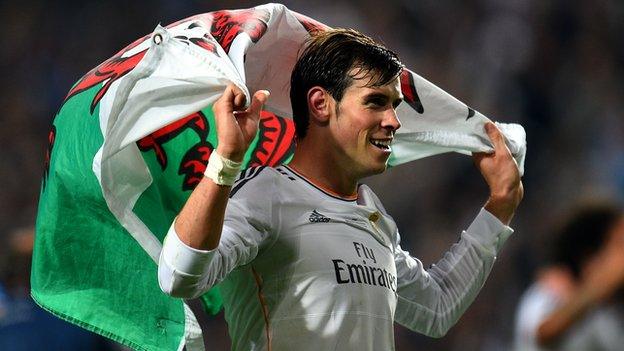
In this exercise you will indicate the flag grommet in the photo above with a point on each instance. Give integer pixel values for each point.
(157, 39)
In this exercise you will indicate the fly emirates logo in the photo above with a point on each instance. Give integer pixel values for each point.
(365, 272)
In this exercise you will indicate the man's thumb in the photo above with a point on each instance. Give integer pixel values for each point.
(259, 98)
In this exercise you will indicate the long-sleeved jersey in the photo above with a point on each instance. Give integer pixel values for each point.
(300, 269)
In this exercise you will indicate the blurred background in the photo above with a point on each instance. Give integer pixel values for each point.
(553, 66)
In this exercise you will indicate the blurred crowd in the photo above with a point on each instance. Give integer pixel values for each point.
(552, 66)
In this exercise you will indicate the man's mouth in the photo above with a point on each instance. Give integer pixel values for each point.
(383, 144)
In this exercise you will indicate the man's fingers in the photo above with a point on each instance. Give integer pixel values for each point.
(495, 135)
(233, 99)
(239, 99)
(227, 98)
(478, 156)
(258, 99)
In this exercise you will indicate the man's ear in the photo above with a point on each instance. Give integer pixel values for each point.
(320, 104)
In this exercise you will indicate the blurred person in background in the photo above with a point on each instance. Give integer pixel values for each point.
(24, 326)
(576, 302)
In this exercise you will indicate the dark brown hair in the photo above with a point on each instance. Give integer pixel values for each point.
(584, 234)
(327, 61)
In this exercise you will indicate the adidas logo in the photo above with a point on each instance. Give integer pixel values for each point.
(316, 217)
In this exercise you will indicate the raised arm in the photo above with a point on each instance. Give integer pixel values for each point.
(432, 300)
(200, 222)
(195, 239)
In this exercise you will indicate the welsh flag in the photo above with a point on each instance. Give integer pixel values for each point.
(132, 140)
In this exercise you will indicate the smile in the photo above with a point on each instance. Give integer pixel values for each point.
(383, 144)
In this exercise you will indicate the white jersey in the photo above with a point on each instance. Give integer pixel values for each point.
(300, 269)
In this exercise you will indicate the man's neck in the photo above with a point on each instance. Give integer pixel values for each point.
(324, 172)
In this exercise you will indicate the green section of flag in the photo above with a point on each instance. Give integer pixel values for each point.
(87, 268)
(163, 199)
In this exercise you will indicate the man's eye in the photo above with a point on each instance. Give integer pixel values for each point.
(377, 102)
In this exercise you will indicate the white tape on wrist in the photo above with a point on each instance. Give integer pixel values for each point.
(221, 170)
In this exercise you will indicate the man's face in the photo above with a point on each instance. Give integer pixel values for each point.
(364, 125)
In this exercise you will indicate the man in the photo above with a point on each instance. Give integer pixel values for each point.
(307, 257)
(574, 304)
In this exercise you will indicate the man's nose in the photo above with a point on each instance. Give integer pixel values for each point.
(391, 120)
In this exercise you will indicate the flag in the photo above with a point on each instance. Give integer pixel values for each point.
(132, 140)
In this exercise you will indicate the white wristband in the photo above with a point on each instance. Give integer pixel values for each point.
(221, 170)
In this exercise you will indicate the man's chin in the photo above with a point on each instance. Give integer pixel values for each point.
(377, 170)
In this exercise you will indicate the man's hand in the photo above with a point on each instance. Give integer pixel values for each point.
(237, 127)
(500, 171)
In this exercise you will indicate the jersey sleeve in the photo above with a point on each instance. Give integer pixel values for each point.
(430, 301)
(188, 272)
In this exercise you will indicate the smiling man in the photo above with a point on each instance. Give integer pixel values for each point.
(306, 256)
